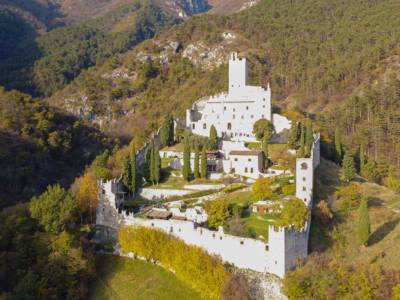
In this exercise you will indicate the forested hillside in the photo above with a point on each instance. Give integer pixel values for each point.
(54, 59)
(39, 146)
(315, 55)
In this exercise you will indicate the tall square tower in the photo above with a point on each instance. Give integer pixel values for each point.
(237, 72)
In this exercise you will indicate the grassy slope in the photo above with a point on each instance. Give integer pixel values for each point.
(123, 278)
(385, 224)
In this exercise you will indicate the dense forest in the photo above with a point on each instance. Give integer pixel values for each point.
(41, 145)
(52, 60)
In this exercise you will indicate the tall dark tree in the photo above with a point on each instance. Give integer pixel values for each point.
(203, 169)
(301, 151)
(338, 145)
(156, 165)
(362, 158)
(133, 165)
(294, 135)
(213, 138)
(147, 166)
(167, 131)
(127, 172)
(265, 152)
(308, 138)
(364, 226)
(196, 170)
(152, 165)
(348, 168)
(186, 159)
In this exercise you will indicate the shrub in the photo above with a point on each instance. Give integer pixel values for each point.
(289, 189)
(232, 188)
(191, 264)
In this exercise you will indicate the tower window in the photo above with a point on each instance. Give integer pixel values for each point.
(245, 170)
(224, 107)
(247, 108)
(204, 126)
(229, 126)
(193, 126)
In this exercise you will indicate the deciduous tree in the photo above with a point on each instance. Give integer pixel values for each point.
(295, 213)
(262, 188)
(364, 227)
(263, 128)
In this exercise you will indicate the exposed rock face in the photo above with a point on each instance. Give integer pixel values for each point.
(195, 6)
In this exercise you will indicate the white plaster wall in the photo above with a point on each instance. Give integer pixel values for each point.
(203, 187)
(228, 146)
(241, 107)
(155, 194)
(280, 123)
(253, 164)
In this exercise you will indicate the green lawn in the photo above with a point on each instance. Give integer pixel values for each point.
(258, 224)
(124, 278)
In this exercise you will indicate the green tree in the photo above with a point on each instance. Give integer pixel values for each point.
(196, 161)
(265, 152)
(262, 188)
(263, 128)
(186, 171)
(364, 227)
(218, 213)
(99, 166)
(294, 213)
(54, 209)
(348, 168)
(301, 152)
(362, 158)
(294, 135)
(167, 131)
(213, 138)
(338, 145)
(203, 170)
(133, 165)
(152, 165)
(156, 165)
(126, 172)
(309, 139)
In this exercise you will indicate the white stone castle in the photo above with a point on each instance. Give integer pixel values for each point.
(233, 115)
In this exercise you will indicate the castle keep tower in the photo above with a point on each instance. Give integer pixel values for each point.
(238, 72)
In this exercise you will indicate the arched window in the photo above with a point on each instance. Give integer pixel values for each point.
(303, 166)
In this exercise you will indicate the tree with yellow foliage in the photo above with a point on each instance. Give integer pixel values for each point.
(262, 188)
(86, 193)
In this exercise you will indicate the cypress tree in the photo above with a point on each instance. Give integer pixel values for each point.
(171, 130)
(301, 152)
(186, 159)
(362, 158)
(348, 168)
(364, 227)
(134, 182)
(196, 161)
(308, 138)
(152, 177)
(126, 175)
(338, 145)
(156, 165)
(265, 152)
(203, 170)
(294, 135)
(146, 166)
(213, 138)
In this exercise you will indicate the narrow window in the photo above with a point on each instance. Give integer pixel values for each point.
(193, 126)
(304, 188)
(245, 170)
(304, 179)
(233, 117)
(247, 108)
(241, 242)
(242, 117)
(224, 107)
(251, 170)
(229, 126)
(252, 116)
(204, 126)
(266, 247)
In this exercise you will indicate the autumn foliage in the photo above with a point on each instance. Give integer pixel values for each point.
(191, 264)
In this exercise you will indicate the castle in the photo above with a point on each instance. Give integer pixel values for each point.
(285, 246)
(234, 113)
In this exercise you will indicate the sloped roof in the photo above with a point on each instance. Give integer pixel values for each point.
(245, 152)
